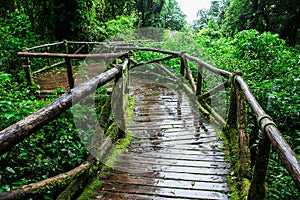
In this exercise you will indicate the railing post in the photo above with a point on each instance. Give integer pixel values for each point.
(70, 72)
(49, 60)
(125, 93)
(243, 136)
(235, 131)
(199, 80)
(258, 188)
(120, 97)
(26, 66)
(66, 46)
(88, 47)
(182, 65)
(232, 112)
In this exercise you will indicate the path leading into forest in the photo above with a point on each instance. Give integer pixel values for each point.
(175, 153)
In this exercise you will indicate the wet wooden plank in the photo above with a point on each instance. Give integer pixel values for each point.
(166, 128)
(171, 136)
(166, 155)
(213, 146)
(167, 183)
(140, 167)
(164, 192)
(174, 176)
(184, 132)
(173, 121)
(106, 195)
(182, 151)
(160, 118)
(176, 140)
(175, 162)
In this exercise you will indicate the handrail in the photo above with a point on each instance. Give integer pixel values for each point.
(215, 70)
(43, 46)
(70, 56)
(286, 155)
(81, 42)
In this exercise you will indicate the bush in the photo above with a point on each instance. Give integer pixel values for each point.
(15, 33)
(271, 70)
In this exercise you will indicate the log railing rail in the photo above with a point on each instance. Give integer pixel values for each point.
(240, 93)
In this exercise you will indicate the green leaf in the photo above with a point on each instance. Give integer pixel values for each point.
(9, 169)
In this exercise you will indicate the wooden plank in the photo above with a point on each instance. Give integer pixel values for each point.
(175, 162)
(164, 192)
(189, 141)
(167, 155)
(174, 176)
(176, 136)
(213, 146)
(183, 151)
(106, 195)
(167, 183)
(180, 139)
(141, 167)
(165, 128)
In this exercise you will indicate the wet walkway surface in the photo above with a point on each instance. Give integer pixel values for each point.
(175, 153)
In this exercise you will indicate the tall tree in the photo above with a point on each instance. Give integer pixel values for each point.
(149, 12)
(62, 19)
(160, 13)
(173, 18)
(74, 19)
(216, 12)
(276, 16)
(115, 8)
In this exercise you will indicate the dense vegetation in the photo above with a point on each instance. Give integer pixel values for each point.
(259, 38)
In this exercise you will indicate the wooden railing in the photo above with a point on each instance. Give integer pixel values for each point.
(71, 49)
(234, 126)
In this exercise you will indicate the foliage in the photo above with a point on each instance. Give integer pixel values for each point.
(75, 20)
(15, 33)
(119, 27)
(115, 8)
(271, 69)
(15, 101)
(215, 13)
(280, 17)
(160, 13)
(54, 149)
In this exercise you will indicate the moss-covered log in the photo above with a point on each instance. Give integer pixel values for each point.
(60, 180)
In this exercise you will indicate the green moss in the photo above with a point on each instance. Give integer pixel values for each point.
(239, 185)
(245, 186)
(91, 189)
(120, 146)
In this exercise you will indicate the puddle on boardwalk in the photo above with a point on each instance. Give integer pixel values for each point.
(175, 153)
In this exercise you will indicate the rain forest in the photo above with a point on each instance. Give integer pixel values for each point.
(258, 40)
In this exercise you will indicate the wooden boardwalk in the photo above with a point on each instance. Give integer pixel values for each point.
(175, 153)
